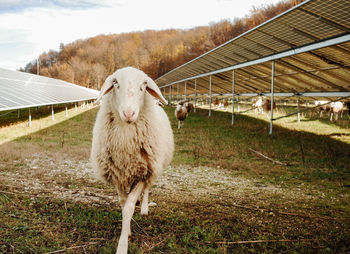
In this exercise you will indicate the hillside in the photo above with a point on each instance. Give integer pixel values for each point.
(88, 62)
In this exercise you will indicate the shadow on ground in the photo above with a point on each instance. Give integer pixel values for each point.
(300, 206)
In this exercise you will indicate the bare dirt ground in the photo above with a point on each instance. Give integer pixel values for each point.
(53, 174)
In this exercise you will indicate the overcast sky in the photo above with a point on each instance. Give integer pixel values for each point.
(30, 27)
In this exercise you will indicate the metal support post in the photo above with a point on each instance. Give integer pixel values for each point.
(52, 113)
(272, 95)
(298, 115)
(195, 95)
(210, 95)
(178, 97)
(233, 97)
(185, 89)
(30, 119)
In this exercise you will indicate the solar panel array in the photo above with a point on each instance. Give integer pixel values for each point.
(23, 90)
(323, 69)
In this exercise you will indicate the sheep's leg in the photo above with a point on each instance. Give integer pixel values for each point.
(178, 124)
(128, 211)
(122, 197)
(144, 204)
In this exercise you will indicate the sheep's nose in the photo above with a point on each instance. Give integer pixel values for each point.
(129, 115)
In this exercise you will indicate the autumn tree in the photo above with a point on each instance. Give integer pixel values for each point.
(88, 62)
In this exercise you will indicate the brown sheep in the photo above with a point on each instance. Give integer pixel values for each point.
(267, 106)
(181, 114)
(216, 102)
(189, 106)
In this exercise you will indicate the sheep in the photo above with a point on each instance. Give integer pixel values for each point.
(336, 108)
(132, 140)
(257, 105)
(221, 105)
(181, 114)
(216, 102)
(324, 106)
(267, 106)
(189, 106)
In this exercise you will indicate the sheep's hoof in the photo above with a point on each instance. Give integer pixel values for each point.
(144, 213)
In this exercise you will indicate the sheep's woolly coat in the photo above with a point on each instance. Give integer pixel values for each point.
(124, 154)
(181, 112)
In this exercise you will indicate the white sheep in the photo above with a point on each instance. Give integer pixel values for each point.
(132, 140)
(336, 108)
(258, 106)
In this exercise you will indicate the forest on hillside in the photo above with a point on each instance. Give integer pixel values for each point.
(88, 62)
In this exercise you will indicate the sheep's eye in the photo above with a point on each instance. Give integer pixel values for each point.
(142, 87)
(115, 83)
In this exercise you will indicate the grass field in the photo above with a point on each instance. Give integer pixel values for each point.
(218, 196)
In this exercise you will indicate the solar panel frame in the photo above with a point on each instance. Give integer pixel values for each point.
(310, 23)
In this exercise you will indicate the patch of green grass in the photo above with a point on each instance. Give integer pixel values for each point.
(316, 165)
(213, 141)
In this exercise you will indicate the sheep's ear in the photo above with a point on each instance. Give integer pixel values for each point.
(154, 90)
(106, 88)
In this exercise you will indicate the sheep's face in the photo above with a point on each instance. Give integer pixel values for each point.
(127, 88)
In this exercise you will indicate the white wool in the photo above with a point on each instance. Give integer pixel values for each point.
(132, 140)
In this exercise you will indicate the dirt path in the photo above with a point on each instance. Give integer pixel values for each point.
(52, 174)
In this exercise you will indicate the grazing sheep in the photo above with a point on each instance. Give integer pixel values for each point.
(257, 105)
(336, 108)
(189, 106)
(324, 106)
(267, 107)
(132, 140)
(223, 104)
(181, 114)
(216, 102)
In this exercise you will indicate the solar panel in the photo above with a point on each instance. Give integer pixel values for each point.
(310, 44)
(23, 90)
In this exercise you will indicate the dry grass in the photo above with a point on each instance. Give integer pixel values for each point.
(215, 193)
